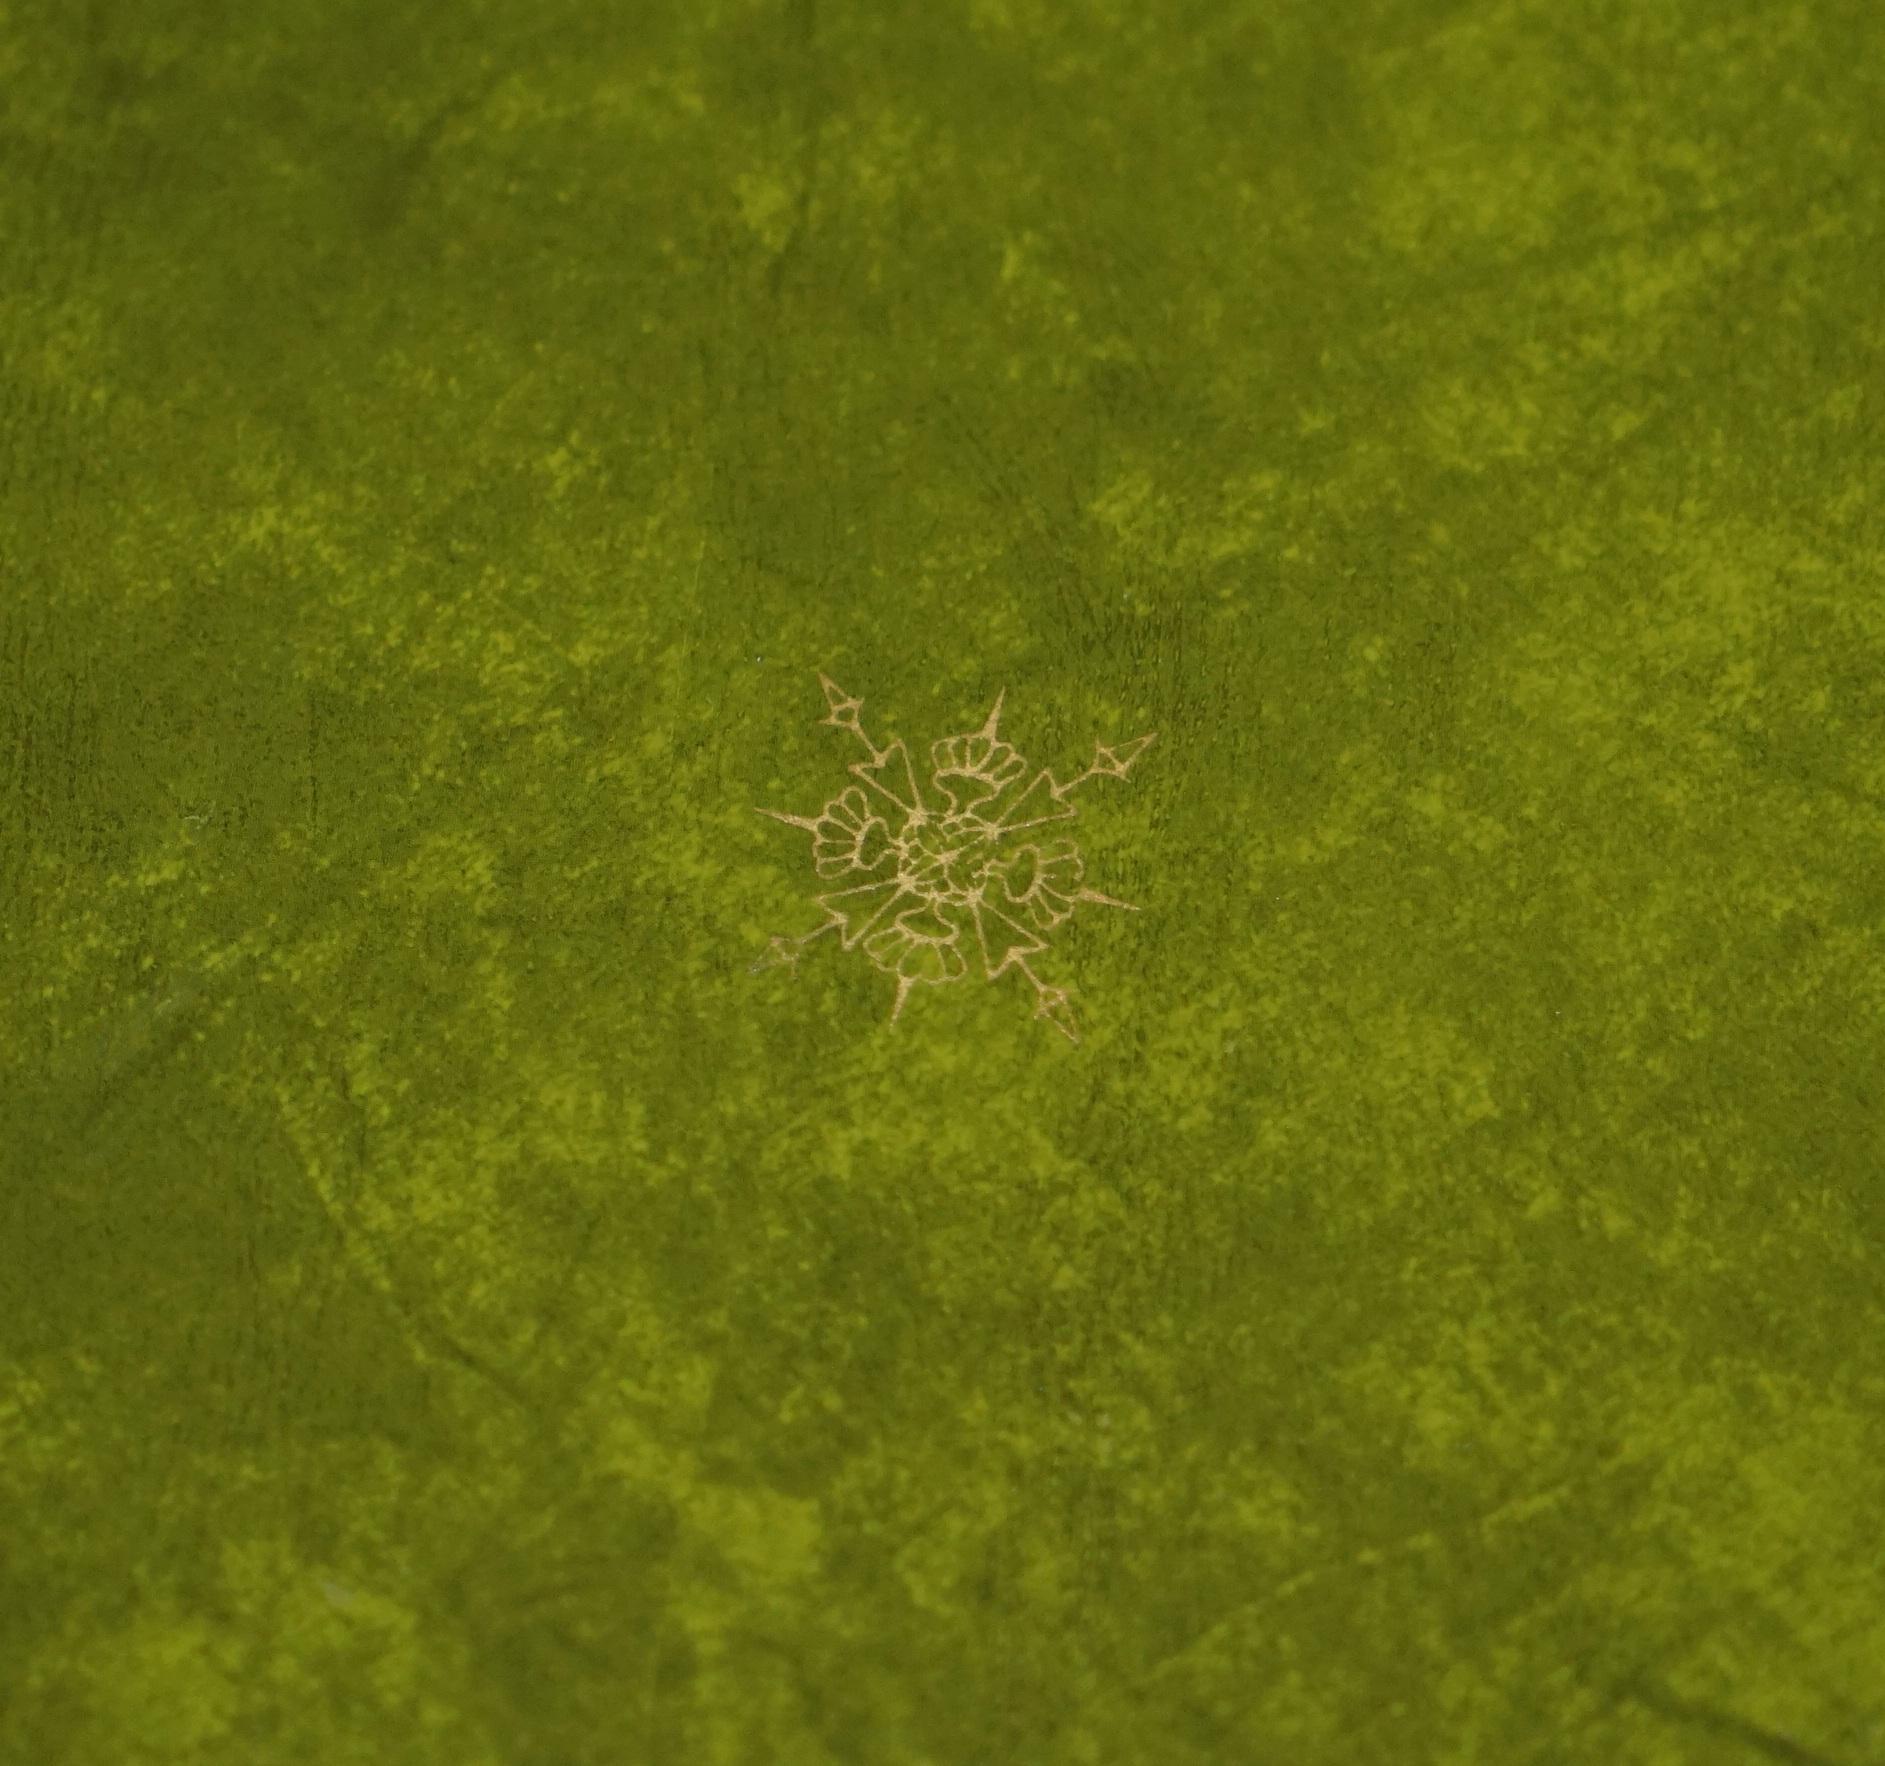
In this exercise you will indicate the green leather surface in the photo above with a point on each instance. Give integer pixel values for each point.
(460, 1306)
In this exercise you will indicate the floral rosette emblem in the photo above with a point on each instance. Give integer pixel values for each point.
(954, 880)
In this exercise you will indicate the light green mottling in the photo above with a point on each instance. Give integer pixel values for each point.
(453, 1309)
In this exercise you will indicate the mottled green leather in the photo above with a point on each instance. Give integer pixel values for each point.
(463, 1304)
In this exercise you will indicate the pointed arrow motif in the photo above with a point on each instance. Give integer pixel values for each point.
(1004, 943)
(855, 911)
(889, 773)
(1114, 763)
(779, 815)
(1040, 803)
(842, 710)
(994, 717)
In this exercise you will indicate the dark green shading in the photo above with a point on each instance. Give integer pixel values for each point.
(452, 1309)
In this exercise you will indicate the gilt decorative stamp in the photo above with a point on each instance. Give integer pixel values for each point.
(939, 884)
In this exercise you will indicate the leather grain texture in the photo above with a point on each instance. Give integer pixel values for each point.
(463, 1302)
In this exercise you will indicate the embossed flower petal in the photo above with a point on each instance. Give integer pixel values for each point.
(848, 836)
(969, 770)
(874, 845)
(921, 946)
(1042, 882)
(933, 963)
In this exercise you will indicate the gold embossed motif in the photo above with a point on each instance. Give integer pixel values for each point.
(936, 885)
